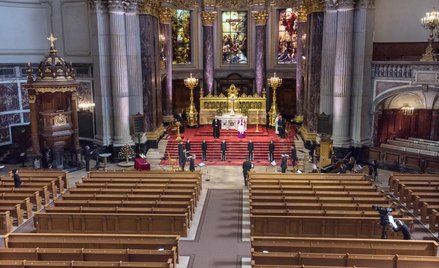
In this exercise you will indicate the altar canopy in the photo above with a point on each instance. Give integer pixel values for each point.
(252, 107)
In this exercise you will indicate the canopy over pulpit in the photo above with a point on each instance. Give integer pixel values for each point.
(53, 107)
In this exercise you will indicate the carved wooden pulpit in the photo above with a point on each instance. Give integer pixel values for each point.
(53, 108)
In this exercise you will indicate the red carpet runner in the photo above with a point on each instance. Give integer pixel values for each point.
(237, 150)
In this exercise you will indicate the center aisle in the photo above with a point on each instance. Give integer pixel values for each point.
(218, 241)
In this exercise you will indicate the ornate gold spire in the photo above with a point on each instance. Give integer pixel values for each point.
(165, 15)
(208, 18)
(260, 17)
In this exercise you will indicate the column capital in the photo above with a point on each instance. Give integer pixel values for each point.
(345, 4)
(150, 7)
(331, 5)
(365, 3)
(132, 6)
(208, 18)
(301, 14)
(165, 15)
(260, 17)
(97, 4)
(116, 5)
(313, 6)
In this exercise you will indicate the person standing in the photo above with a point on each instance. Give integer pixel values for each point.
(284, 163)
(246, 166)
(250, 147)
(281, 127)
(180, 148)
(204, 150)
(216, 125)
(87, 157)
(294, 157)
(188, 146)
(182, 159)
(192, 163)
(17, 179)
(271, 151)
(223, 150)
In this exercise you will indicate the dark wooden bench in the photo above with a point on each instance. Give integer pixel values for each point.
(85, 264)
(5, 223)
(33, 196)
(47, 173)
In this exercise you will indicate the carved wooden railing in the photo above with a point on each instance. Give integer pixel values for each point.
(401, 69)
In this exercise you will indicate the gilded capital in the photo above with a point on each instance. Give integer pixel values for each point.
(313, 6)
(165, 15)
(208, 18)
(150, 7)
(302, 14)
(260, 17)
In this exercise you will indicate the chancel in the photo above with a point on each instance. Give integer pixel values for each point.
(334, 104)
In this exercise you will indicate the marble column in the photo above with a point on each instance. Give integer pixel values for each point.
(300, 53)
(261, 25)
(75, 124)
(343, 75)
(119, 74)
(166, 32)
(313, 68)
(328, 58)
(361, 112)
(100, 39)
(208, 20)
(34, 124)
(133, 58)
(150, 55)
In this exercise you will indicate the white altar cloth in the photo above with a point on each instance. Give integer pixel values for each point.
(229, 121)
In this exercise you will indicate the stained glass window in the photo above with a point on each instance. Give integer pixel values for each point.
(234, 31)
(181, 37)
(286, 53)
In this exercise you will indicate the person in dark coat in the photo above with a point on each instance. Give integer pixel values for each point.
(401, 226)
(271, 151)
(188, 146)
(216, 126)
(250, 147)
(180, 148)
(373, 170)
(293, 156)
(223, 150)
(284, 163)
(192, 163)
(281, 127)
(87, 155)
(17, 179)
(246, 166)
(182, 159)
(204, 150)
(179, 118)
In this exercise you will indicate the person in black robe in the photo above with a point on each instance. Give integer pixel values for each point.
(284, 163)
(188, 146)
(180, 148)
(87, 155)
(223, 150)
(204, 150)
(271, 151)
(246, 167)
(250, 147)
(192, 163)
(216, 126)
(281, 127)
(293, 156)
(182, 159)
(17, 179)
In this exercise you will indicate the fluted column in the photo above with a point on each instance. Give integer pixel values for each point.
(208, 19)
(100, 38)
(261, 24)
(119, 74)
(301, 35)
(361, 115)
(313, 67)
(343, 74)
(133, 58)
(328, 58)
(166, 31)
(150, 60)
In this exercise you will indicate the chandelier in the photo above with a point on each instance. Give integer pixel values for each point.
(407, 110)
(430, 22)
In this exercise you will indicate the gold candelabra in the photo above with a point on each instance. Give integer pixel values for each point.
(191, 83)
(430, 22)
(273, 82)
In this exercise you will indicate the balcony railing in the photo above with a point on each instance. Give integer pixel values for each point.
(401, 69)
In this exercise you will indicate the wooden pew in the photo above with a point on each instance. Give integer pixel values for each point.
(15, 211)
(34, 197)
(51, 183)
(344, 245)
(395, 178)
(5, 223)
(47, 173)
(111, 223)
(308, 176)
(434, 220)
(82, 264)
(318, 226)
(310, 212)
(29, 188)
(25, 205)
(381, 201)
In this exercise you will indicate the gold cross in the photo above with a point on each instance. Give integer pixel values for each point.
(52, 40)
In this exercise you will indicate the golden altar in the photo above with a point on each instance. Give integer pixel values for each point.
(252, 106)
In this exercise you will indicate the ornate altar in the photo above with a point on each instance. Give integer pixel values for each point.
(252, 106)
(53, 108)
(232, 121)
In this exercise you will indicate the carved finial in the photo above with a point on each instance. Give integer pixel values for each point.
(52, 40)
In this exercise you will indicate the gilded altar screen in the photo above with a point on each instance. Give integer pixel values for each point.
(234, 37)
(181, 37)
(287, 31)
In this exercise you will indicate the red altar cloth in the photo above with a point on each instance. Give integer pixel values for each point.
(141, 164)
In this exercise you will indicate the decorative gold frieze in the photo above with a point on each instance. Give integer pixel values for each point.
(208, 18)
(166, 15)
(301, 14)
(233, 4)
(284, 3)
(54, 89)
(260, 17)
(150, 7)
(313, 6)
(185, 4)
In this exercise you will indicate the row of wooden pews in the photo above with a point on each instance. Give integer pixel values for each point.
(110, 219)
(327, 220)
(419, 192)
(36, 191)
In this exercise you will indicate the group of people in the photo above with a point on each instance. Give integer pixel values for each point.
(280, 126)
(184, 155)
